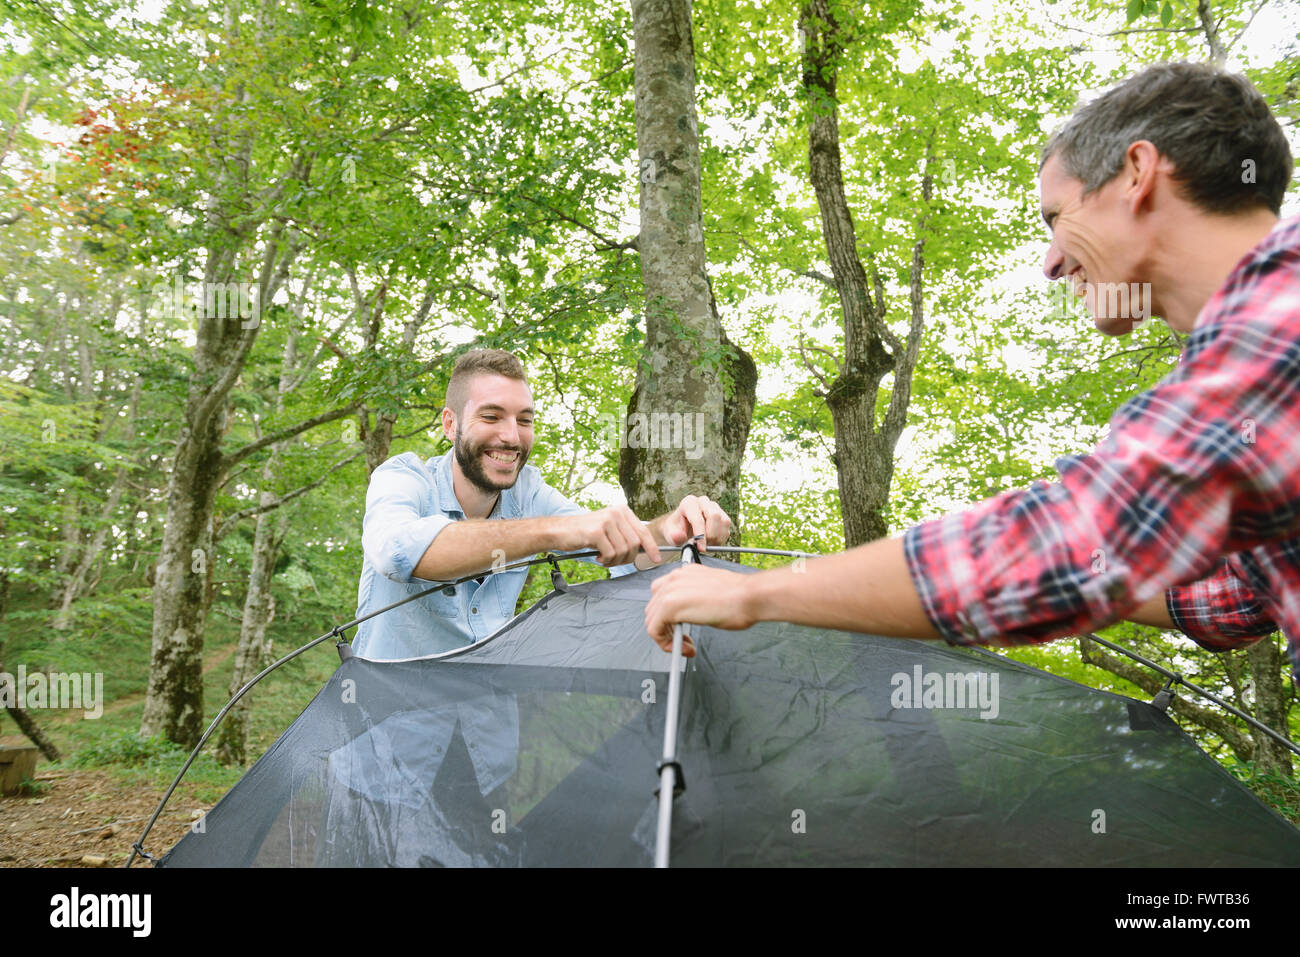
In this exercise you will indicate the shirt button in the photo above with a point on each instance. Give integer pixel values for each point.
(474, 610)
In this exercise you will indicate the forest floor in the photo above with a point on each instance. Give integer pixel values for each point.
(89, 818)
(89, 808)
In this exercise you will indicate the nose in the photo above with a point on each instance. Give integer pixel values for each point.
(508, 431)
(1054, 263)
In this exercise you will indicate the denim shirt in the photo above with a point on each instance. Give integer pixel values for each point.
(409, 502)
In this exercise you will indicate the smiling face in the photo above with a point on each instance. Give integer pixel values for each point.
(1094, 248)
(494, 433)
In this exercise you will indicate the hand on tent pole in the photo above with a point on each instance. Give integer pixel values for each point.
(695, 516)
(615, 532)
(696, 595)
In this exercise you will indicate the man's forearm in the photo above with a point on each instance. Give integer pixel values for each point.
(471, 546)
(873, 592)
(1154, 612)
(866, 589)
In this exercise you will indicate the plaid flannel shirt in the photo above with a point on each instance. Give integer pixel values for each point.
(1195, 491)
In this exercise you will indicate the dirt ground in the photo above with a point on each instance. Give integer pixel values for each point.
(85, 816)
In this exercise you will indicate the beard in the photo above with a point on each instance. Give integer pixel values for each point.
(471, 463)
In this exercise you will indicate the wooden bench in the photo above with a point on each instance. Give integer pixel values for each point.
(17, 764)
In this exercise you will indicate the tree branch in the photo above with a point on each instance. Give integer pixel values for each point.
(812, 366)
(234, 458)
(229, 521)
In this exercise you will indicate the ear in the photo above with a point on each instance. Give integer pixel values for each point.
(1142, 164)
(449, 424)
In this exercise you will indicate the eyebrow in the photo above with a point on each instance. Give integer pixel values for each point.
(502, 408)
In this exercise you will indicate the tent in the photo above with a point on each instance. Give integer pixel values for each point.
(539, 746)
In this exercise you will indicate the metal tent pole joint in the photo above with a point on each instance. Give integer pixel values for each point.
(138, 849)
(341, 644)
(679, 779)
(1195, 689)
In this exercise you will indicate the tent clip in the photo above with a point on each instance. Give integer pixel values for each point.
(341, 645)
(557, 579)
(1165, 696)
(139, 849)
(679, 780)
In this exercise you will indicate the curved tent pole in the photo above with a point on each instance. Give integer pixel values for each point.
(671, 782)
(337, 633)
(1179, 679)
(138, 846)
(137, 849)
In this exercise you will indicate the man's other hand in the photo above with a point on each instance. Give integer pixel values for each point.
(698, 595)
(696, 515)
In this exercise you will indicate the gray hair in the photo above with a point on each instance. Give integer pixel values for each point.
(1229, 153)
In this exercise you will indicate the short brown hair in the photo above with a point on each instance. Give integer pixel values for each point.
(1229, 153)
(480, 362)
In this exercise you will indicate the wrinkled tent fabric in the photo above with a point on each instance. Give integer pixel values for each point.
(799, 746)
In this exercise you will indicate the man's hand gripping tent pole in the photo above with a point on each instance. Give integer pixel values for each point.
(670, 772)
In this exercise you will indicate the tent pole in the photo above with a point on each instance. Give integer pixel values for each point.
(669, 770)
(668, 767)
(1173, 676)
(137, 849)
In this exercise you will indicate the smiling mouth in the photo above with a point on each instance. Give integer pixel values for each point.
(502, 457)
(1079, 281)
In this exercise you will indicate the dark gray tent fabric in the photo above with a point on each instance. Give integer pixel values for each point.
(799, 747)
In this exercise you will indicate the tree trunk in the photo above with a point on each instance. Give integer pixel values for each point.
(1266, 665)
(259, 603)
(76, 584)
(689, 415)
(70, 528)
(174, 703)
(29, 727)
(251, 653)
(864, 442)
(1211, 30)
(378, 438)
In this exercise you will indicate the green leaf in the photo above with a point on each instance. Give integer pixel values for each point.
(1133, 10)
(1166, 15)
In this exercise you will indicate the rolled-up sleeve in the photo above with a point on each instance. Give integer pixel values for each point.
(1219, 612)
(395, 535)
(1203, 465)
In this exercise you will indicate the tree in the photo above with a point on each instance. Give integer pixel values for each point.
(690, 379)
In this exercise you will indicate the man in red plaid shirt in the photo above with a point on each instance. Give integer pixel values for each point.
(1166, 189)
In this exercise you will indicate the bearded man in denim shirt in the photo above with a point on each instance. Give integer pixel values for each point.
(480, 506)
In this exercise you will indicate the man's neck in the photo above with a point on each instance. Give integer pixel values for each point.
(1196, 257)
(474, 502)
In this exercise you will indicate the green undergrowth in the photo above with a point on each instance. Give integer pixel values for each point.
(1280, 792)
